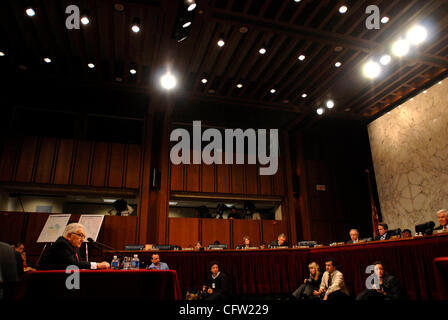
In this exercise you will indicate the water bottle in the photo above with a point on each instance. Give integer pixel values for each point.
(114, 264)
(135, 263)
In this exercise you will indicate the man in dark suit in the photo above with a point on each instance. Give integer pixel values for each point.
(65, 251)
(8, 271)
(281, 241)
(388, 288)
(442, 216)
(354, 236)
(382, 230)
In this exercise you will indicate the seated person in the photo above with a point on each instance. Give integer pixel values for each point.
(18, 248)
(65, 251)
(406, 233)
(382, 232)
(388, 288)
(233, 214)
(281, 241)
(246, 243)
(8, 271)
(198, 246)
(262, 245)
(26, 265)
(217, 285)
(354, 236)
(310, 285)
(203, 212)
(442, 217)
(157, 264)
(332, 285)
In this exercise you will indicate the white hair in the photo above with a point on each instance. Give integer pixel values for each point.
(356, 230)
(445, 211)
(72, 228)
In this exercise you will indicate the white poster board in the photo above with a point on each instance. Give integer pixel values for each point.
(54, 227)
(92, 224)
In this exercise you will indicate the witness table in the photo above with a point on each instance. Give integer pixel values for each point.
(280, 271)
(102, 284)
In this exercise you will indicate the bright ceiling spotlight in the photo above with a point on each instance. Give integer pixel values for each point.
(371, 70)
(91, 65)
(186, 24)
(133, 71)
(417, 35)
(330, 104)
(384, 20)
(30, 12)
(2, 54)
(204, 81)
(262, 51)
(400, 48)
(191, 5)
(273, 91)
(168, 81)
(239, 85)
(343, 9)
(338, 64)
(85, 20)
(221, 42)
(385, 59)
(304, 95)
(136, 25)
(47, 60)
(320, 111)
(301, 57)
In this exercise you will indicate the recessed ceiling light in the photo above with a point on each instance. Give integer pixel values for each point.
(47, 60)
(338, 64)
(30, 12)
(320, 111)
(385, 59)
(135, 28)
(91, 65)
(204, 80)
(168, 81)
(273, 90)
(262, 51)
(133, 71)
(330, 104)
(85, 20)
(221, 42)
(371, 70)
(338, 48)
(2, 54)
(239, 85)
(211, 91)
(347, 109)
(119, 7)
(186, 24)
(343, 9)
(400, 48)
(417, 35)
(304, 95)
(384, 20)
(244, 29)
(191, 7)
(301, 57)
(297, 0)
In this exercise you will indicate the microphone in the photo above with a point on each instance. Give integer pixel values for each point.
(90, 240)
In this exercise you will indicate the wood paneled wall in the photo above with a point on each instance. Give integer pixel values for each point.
(42, 160)
(242, 179)
(186, 232)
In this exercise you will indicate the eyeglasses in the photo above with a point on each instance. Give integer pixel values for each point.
(82, 236)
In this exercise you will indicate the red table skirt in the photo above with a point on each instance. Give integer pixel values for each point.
(277, 271)
(102, 284)
(441, 276)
